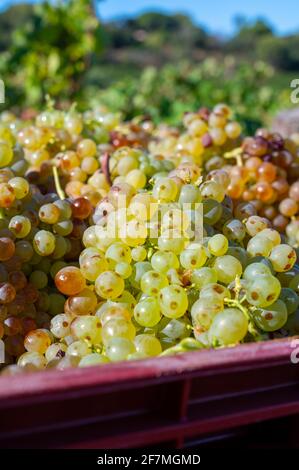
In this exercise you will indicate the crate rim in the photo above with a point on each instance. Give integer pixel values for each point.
(159, 369)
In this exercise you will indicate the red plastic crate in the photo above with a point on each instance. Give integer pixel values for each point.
(167, 401)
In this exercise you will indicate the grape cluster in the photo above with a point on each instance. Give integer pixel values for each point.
(267, 176)
(122, 241)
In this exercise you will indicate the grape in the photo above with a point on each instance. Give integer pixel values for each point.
(109, 285)
(147, 312)
(6, 154)
(37, 341)
(33, 359)
(234, 230)
(165, 190)
(20, 226)
(49, 213)
(227, 268)
(259, 246)
(173, 301)
(55, 351)
(83, 303)
(263, 291)
(204, 310)
(283, 257)
(194, 256)
(218, 245)
(290, 299)
(147, 345)
(69, 280)
(273, 317)
(215, 290)
(78, 348)
(44, 242)
(203, 276)
(93, 359)
(229, 327)
(118, 349)
(60, 325)
(162, 261)
(118, 328)
(255, 270)
(86, 327)
(20, 186)
(7, 248)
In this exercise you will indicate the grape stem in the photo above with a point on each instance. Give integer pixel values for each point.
(58, 187)
(105, 167)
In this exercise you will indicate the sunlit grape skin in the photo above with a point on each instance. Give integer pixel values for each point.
(69, 280)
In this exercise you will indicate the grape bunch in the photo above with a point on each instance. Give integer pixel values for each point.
(122, 241)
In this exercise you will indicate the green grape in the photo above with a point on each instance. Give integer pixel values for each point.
(147, 345)
(203, 276)
(78, 348)
(93, 359)
(227, 268)
(175, 329)
(92, 263)
(63, 228)
(6, 154)
(49, 213)
(38, 279)
(239, 253)
(255, 224)
(165, 190)
(61, 247)
(55, 267)
(212, 211)
(138, 253)
(123, 269)
(255, 270)
(65, 209)
(139, 269)
(283, 258)
(60, 325)
(234, 230)
(152, 282)
(118, 328)
(171, 241)
(273, 317)
(272, 234)
(57, 302)
(189, 194)
(290, 298)
(45, 265)
(109, 285)
(212, 190)
(194, 256)
(173, 301)
(55, 351)
(147, 312)
(229, 327)
(162, 261)
(294, 284)
(20, 226)
(263, 291)
(32, 359)
(44, 243)
(259, 246)
(218, 245)
(20, 186)
(86, 327)
(118, 349)
(204, 310)
(119, 252)
(215, 290)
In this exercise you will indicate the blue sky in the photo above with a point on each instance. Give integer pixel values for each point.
(216, 15)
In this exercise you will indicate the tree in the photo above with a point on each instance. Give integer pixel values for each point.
(248, 35)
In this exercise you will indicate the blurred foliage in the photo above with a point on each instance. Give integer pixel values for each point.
(160, 64)
(169, 92)
(51, 52)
